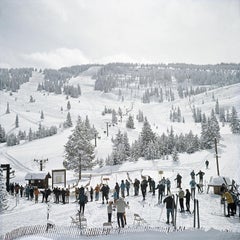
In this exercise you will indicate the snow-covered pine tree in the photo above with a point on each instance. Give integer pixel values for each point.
(30, 135)
(118, 154)
(175, 155)
(234, 122)
(2, 134)
(3, 193)
(214, 125)
(120, 113)
(17, 121)
(130, 122)
(68, 105)
(42, 115)
(135, 151)
(126, 145)
(147, 136)
(171, 141)
(68, 122)
(140, 117)
(12, 140)
(114, 117)
(217, 107)
(79, 152)
(8, 109)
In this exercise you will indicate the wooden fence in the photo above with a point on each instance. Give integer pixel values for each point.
(75, 232)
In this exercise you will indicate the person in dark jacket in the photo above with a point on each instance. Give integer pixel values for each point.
(105, 192)
(153, 184)
(82, 201)
(161, 189)
(179, 180)
(117, 188)
(144, 185)
(136, 185)
(187, 196)
(127, 183)
(170, 205)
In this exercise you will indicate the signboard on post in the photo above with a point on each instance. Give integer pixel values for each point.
(59, 177)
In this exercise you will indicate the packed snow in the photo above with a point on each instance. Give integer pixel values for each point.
(22, 212)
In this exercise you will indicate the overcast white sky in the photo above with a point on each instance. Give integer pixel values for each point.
(56, 33)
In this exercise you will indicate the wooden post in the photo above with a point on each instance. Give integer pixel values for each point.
(198, 217)
(215, 140)
(194, 214)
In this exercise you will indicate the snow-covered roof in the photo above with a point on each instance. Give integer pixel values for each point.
(218, 181)
(36, 175)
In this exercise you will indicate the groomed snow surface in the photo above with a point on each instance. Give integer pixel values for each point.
(26, 213)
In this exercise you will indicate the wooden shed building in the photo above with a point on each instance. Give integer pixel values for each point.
(38, 179)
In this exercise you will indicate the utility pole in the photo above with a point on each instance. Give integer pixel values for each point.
(6, 167)
(95, 136)
(41, 162)
(216, 152)
(107, 128)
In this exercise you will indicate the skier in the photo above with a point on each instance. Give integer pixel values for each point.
(136, 187)
(105, 192)
(121, 206)
(67, 195)
(168, 183)
(63, 192)
(170, 205)
(179, 180)
(187, 196)
(160, 188)
(97, 190)
(122, 187)
(206, 163)
(193, 187)
(36, 193)
(144, 185)
(200, 173)
(150, 183)
(82, 201)
(153, 187)
(181, 197)
(127, 183)
(192, 174)
(91, 194)
(109, 211)
(117, 188)
(230, 203)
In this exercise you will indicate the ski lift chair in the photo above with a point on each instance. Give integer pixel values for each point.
(138, 220)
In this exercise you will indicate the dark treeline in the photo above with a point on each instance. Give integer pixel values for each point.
(11, 79)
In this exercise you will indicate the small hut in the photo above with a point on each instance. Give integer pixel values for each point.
(38, 179)
(216, 183)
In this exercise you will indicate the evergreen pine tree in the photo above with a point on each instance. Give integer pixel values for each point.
(42, 115)
(175, 155)
(130, 122)
(2, 134)
(147, 136)
(17, 121)
(68, 122)
(217, 107)
(68, 105)
(234, 122)
(114, 117)
(79, 152)
(8, 110)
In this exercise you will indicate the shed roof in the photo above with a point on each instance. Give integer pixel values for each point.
(218, 181)
(36, 175)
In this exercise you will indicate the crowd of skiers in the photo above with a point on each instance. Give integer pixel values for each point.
(122, 189)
